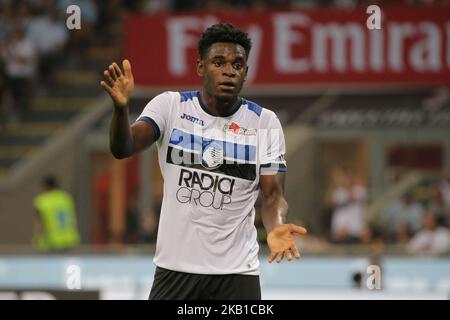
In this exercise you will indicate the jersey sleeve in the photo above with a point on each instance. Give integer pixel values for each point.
(156, 113)
(272, 147)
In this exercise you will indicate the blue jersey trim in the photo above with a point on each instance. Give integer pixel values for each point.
(153, 124)
(254, 107)
(187, 95)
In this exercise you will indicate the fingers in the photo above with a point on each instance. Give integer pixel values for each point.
(288, 254)
(280, 256)
(127, 69)
(296, 253)
(108, 79)
(272, 257)
(112, 72)
(298, 229)
(106, 87)
(117, 69)
(277, 255)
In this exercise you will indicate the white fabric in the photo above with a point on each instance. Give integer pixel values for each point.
(399, 213)
(349, 211)
(20, 59)
(47, 35)
(430, 242)
(445, 191)
(207, 214)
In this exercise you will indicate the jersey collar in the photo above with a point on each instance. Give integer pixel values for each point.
(205, 108)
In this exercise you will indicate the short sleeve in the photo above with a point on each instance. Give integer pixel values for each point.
(156, 113)
(272, 147)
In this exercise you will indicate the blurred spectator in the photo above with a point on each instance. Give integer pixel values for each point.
(403, 218)
(149, 230)
(20, 59)
(2, 89)
(373, 236)
(431, 239)
(6, 29)
(349, 201)
(153, 6)
(345, 3)
(108, 24)
(256, 5)
(80, 40)
(439, 98)
(49, 36)
(132, 222)
(23, 13)
(6, 21)
(56, 230)
(444, 192)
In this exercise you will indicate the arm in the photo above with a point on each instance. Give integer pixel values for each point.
(124, 140)
(274, 206)
(280, 237)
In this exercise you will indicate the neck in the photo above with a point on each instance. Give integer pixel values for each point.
(222, 108)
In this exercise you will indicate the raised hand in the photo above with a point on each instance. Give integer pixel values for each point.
(118, 84)
(282, 243)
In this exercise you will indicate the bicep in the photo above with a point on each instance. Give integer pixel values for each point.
(143, 135)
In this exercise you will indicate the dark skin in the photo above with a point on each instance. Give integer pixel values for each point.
(223, 70)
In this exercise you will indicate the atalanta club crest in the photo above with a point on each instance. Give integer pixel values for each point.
(212, 155)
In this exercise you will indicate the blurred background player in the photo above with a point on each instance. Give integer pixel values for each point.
(56, 229)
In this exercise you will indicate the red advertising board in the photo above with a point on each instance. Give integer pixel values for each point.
(301, 47)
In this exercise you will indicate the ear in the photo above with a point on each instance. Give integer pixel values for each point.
(246, 73)
(200, 68)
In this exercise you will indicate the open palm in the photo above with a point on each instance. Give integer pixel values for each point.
(281, 242)
(118, 84)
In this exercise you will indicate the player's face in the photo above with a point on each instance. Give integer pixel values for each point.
(224, 69)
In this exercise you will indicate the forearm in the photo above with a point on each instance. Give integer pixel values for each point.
(274, 212)
(120, 136)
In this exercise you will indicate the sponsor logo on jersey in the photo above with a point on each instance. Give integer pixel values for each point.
(204, 189)
(236, 129)
(192, 119)
(212, 155)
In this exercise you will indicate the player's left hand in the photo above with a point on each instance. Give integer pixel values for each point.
(282, 243)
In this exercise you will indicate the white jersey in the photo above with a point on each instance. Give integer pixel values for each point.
(211, 167)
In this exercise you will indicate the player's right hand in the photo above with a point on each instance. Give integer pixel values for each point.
(118, 84)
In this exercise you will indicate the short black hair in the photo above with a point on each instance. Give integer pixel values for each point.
(50, 182)
(223, 32)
